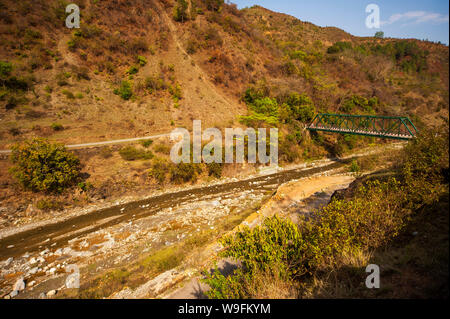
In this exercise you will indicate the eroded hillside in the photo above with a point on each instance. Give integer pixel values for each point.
(61, 83)
(138, 68)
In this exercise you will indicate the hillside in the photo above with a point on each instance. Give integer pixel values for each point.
(137, 68)
(136, 223)
(195, 69)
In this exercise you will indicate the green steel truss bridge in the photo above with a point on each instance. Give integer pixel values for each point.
(395, 127)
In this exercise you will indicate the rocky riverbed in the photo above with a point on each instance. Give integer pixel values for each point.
(37, 258)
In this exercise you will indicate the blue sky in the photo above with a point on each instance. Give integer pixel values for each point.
(426, 19)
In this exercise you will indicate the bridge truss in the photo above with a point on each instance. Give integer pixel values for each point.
(394, 127)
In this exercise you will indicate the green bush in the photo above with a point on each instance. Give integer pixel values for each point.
(298, 54)
(425, 166)
(125, 91)
(5, 69)
(133, 70)
(57, 127)
(162, 148)
(43, 166)
(379, 34)
(344, 227)
(141, 60)
(407, 54)
(300, 107)
(176, 92)
(214, 5)
(339, 47)
(85, 186)
(159, 170)
(354, 167)
(130, 153)
(49, 204)
(357, 103)
(262, 110)
(184, 172)
(68, 94)
(215, 169)
(180, 11)
(146, 143)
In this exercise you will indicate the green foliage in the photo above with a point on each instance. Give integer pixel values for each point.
(57, 127)
(425, 166)
(68, 94)
(258, 120)
(180, 11)
(289, 68)
(133, 70)
(154, 83)
(215, 169)
(141, 60)
(275, 244)
(5, 69)
(43, 166)
(227, 287)
(376, 212)
(374, 216)
(379, 34)
(214, 5)
(357, 103)
(266, 105)
(339, 47)
(254, 93)
(184, 172)
(298, 55)
(262, 110)
(146, 143)
(299, 107)
(159, 170)
(176, 92)
(85, 186)
(125, 91)
(162, 148)
(49, 204)
(130, 153)
(354, 167)
(407, 54)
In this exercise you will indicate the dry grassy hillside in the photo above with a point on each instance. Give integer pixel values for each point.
(166, 72)
(142, 67)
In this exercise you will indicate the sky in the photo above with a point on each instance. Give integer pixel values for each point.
(420, 19)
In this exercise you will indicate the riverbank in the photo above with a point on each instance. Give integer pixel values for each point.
(100, 242)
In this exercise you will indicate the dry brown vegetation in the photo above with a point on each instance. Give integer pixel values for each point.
(132, 70)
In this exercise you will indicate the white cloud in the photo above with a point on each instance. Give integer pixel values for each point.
(414, 17)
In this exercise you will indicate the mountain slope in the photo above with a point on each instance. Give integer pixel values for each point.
(195, 69)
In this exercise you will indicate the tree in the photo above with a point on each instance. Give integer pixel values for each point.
(301, 107)
(379, 34)
(180, 11)
(214, 5)
(43, 166)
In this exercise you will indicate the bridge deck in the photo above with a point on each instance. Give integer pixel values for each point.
(395, 127)
(360, 132)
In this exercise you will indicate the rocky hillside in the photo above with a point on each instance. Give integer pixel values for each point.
(139, 67)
